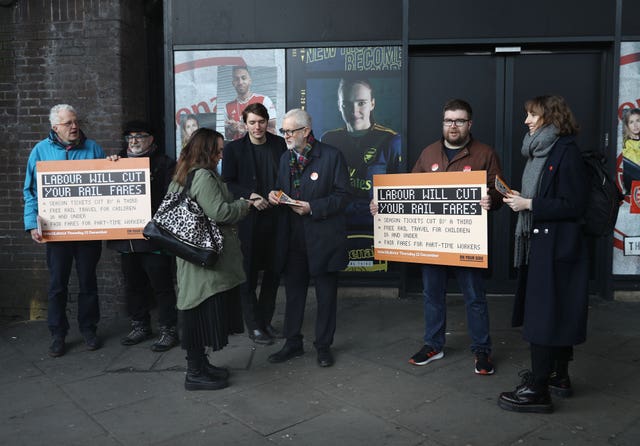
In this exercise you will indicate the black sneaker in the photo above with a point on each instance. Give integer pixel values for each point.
(167, 340)
(426, 355)
(57, 346)
(260, 337)
(140, 331)
(483, 364)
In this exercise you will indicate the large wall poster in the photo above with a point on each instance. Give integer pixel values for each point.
(626, 250)
(212, 87)
(354, 97)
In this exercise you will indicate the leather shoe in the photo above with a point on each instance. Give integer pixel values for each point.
(260, 337)
(560, 385)
(92, 341)
(325, 358)
(528, 397)
(273, 332)
(57, 347)
(286, 353)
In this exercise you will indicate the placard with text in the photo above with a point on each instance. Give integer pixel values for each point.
(93, 199)
(431, 218)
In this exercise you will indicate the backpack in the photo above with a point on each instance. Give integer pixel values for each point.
(600, 217)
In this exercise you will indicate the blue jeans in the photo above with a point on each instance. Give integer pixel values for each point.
(471, 283)
(60, 256)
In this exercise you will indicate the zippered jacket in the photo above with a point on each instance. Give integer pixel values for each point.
(51, 149)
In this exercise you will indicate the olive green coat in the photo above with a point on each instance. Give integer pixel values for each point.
(196, 283)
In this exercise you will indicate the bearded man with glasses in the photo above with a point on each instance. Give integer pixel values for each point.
(457, 151)
(65, 142)
(147, 270)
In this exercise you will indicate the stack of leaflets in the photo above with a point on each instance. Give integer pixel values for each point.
(286, 199)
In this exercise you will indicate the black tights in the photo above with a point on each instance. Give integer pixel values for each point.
(546, 359)
(195, 353)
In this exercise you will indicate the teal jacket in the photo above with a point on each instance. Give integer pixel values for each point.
(50, 149)
(196, 283)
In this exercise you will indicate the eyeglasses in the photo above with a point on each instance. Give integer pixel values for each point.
(457, 122)
(138, 137)
(70, 124)
(284, 132)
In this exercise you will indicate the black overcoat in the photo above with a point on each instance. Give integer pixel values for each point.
(325, 185)
(161, 169)
(239, 172)
(552, 300)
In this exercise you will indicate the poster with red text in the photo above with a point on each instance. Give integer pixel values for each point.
(212, 87)
(626, 258)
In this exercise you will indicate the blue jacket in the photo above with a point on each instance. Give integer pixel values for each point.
(50, 149)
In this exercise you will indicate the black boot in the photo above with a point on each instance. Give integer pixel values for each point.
(528, 397)
(215, 372)
(559, 382)
(198, 379)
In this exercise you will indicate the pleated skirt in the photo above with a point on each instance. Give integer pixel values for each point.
(210, 323)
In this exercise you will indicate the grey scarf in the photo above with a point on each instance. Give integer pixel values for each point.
(536, 149)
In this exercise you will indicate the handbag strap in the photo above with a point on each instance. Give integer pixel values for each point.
(183, 195)
(187, 184)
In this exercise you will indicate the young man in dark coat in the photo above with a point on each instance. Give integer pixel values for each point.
(250, 168)
(312, 235)
(148, 272)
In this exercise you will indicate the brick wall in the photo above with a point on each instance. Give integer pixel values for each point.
(90, 54)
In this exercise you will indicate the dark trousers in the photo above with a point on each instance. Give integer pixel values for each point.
(146, 272)
(545, 359)
(60, 257)
(258, 310)
(296, 279)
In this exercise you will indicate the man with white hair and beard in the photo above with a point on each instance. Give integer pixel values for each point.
(312, 234)
(147, 270)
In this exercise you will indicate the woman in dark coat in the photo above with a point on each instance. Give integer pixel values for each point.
(550, 253)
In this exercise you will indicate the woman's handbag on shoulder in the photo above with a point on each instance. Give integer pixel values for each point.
(181, 227)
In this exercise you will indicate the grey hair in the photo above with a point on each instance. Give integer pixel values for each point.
(53, 114)
(300, 117)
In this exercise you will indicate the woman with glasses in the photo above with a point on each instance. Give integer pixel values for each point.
(550, 253)
(208, 301)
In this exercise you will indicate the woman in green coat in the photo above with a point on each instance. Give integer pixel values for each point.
(208, 302)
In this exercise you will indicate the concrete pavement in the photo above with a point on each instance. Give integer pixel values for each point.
(372, 396)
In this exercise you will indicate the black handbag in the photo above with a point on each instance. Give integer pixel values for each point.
(181, 227)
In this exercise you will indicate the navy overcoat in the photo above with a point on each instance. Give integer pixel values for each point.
(552, 298)
(325, 185)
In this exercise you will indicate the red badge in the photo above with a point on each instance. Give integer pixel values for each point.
(635, 197)
(314, 176)
(434, 167)
(550, 168)
(466, 169)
